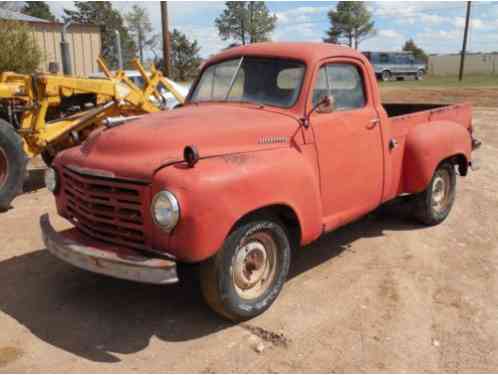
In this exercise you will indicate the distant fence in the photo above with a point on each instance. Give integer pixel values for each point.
(479, 63)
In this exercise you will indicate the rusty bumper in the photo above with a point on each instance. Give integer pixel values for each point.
(126, 264)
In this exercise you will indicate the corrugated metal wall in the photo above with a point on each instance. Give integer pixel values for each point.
(84, 43)
(485, 63)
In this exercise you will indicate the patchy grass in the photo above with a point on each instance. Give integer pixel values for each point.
(479, 90)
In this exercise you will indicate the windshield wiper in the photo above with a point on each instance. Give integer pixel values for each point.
(234, 78)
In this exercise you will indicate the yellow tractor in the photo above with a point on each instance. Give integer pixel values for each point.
(46, 113)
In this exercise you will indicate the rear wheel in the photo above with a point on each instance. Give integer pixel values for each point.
(434, 204)
(245, 277)
(420, 75)
(12, 164)
(386, 75)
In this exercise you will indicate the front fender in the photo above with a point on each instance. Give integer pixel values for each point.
(218, 191)
(426, 146)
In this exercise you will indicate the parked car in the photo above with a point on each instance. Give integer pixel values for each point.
(137, 79)
(276, 144)
(389, 65)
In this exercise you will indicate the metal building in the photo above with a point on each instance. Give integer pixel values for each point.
(84, 41)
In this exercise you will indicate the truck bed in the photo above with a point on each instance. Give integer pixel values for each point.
(405, 115)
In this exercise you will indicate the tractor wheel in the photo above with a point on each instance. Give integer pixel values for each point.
(47, 158)
(13, 162)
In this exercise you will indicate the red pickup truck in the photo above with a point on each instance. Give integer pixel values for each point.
(276, 144)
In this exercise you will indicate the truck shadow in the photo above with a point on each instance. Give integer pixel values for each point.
(94, 316)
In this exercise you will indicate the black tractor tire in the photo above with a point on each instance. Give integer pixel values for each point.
(221, 280)
(47, 158)
(13, 163)
(386, 76)
(433, 205)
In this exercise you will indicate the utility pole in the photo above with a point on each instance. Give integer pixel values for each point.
(464, 47)
(166, 40)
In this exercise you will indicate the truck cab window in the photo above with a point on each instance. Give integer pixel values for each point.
(344, 82)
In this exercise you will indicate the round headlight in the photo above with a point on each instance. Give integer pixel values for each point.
(165, 210)
(51, 180)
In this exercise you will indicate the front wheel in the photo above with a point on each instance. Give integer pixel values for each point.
(434, 204)
(245, 277)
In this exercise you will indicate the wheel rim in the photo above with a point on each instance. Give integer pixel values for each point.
(254, 265)
(4, 167)
(441, 191)
(386, 76)
(420, 74)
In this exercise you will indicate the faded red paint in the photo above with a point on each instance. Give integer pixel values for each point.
(329, 174)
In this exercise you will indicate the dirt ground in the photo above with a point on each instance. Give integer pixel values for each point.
(382, 294)
(477, 96)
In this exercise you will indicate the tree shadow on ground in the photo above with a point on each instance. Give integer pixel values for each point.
(94, 316)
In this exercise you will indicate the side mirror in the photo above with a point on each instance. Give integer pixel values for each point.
(326, 104)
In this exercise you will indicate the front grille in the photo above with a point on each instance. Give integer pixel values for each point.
(106, 209)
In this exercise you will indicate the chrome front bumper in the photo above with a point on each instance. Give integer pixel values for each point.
(106, 260)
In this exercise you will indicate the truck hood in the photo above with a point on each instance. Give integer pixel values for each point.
(139, 148)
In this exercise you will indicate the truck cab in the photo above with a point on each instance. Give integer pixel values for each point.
(277, 143)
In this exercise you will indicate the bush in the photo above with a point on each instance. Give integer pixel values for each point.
(20, 53)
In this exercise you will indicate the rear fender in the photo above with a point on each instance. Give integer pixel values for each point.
(429, 144)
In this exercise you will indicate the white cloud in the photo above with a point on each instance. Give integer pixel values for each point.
(300, 14)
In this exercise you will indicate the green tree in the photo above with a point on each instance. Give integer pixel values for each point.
(39, 9)
(351, 22)
(245, 21)
(418, 52)
(185, 59)
(20, 53)
(102, 14)
(141, 28)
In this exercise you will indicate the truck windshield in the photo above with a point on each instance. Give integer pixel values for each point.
(274, 82)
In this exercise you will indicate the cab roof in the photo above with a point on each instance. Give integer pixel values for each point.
(308, 52)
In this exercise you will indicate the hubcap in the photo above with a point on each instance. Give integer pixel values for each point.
(4, 168)
(440, 191)
(254, 265)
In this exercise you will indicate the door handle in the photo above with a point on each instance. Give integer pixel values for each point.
(373, 123)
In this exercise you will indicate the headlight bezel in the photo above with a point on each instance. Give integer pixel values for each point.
(52, 185)
(175, 208)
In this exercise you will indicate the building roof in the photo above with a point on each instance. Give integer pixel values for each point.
(6, 14)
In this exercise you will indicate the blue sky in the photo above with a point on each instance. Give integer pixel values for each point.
(435, 26)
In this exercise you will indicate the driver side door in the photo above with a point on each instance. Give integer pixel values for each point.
(348, 142)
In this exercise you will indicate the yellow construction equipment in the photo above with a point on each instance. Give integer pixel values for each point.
(46, 113)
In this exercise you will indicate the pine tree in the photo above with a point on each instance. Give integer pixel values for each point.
(351, 22)
(246, 21)
(185, 59)
(418, 52)
(39, 9)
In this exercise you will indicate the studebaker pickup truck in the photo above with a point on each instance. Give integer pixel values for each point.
(276, 144)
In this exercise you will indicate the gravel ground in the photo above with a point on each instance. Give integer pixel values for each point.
(382, 294)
